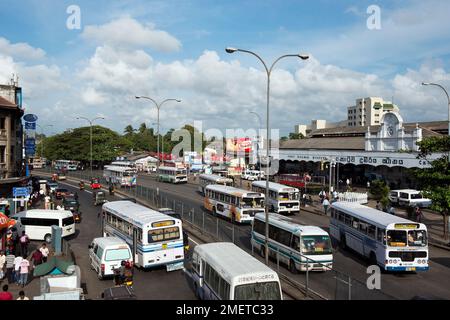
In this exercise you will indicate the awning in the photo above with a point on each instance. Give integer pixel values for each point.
(54, 265)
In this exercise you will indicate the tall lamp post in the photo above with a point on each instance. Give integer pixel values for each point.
(448, 99)
(158, 106)
(259, 138)
(90, 122)
(269, 72)
(42, 132)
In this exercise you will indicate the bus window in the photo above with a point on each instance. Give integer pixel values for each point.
(371, 231)
(355, 223)
(396, 238)
(295, 243)
(258, 291)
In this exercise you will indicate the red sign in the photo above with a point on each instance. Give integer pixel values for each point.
(5, 222)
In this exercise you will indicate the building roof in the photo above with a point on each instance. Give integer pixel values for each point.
(53, 263)
(336, 143)
(7, 104)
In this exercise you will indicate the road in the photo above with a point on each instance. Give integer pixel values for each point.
(148, 285)
(430, 284)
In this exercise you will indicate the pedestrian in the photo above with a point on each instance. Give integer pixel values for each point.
(392, 210)
(24, 269)
(326, 204)
(22, 296)
(378, 206)
(10, 266)
(24, 241)
(47, 202)
(17, 261)
(36, 257)
(368, 184)
(15, 240)
(304, 197)
(5, 294)
(2, 264)
(418, 214)
(76, 195)
(44, 250)
(335, 194)
(322, 194)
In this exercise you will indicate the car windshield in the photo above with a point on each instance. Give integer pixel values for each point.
(258, 291)
(417, 238)
(316, 245)
(256, 202)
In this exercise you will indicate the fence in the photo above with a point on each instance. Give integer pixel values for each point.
(332, 284)
(360, 197)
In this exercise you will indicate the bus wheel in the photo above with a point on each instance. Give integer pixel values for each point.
(343, 244)
(373, 259)
(292, 267)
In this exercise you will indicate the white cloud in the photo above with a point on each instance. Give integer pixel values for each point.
(20, 50)
(126, 32)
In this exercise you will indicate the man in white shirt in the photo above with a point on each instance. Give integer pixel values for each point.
(47, 202)
(44, 250)
(17, 262)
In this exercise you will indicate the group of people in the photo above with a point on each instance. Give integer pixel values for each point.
(6, 295)
(325, 199)
(15, 268)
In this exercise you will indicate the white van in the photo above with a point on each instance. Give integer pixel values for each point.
(412, 198)
(37, 223)
(106, 254)
(252, 175)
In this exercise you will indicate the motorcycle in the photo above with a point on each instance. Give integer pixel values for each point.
(125, 278)
(81, 186)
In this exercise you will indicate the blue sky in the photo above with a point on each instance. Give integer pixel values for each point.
(176, 48)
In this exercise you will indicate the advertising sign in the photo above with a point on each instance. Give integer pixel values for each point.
(30, 117)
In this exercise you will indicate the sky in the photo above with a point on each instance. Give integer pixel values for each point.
(175, 49)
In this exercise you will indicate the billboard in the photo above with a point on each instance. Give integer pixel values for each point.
(239, 145)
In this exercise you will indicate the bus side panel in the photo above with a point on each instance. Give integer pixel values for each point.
(334, 231)
(354, 242)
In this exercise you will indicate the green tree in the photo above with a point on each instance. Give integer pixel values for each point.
(296, 136)
(435, 180)
(380, 191)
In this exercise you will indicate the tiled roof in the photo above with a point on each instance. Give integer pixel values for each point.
(6, 103)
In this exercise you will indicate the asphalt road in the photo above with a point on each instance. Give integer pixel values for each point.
(148, 285)
(431, 284)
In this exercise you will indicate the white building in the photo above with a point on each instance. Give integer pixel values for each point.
(368, 111)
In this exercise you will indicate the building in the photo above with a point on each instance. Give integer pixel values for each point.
(368, 111)
(11, 132)
(316, 125)
(11, 139)
(387, 150)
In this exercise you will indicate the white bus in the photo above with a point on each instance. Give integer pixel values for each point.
(172, 174)
(236, 204)
(299, 247)
(282, 199)
(207, 179)
(123, 164)
(223, 271)
(126, 177)
(156, 239)
(37, 223)
(38, 163)
(70, 165)
(394, 243)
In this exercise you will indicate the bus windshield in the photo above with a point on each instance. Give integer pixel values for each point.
(417, 238)
(258, 291)
(165, 234)
(252, 202)
(316, 245)
(288, 196)
(396, 238)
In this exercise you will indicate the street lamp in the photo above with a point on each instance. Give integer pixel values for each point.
(259, 138)
(90, 122)
(448, 99)
(269, 72)
(42, 132)
(158, 106)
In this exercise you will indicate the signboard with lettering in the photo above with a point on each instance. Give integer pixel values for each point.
(30, 125)
(30, 117)
(21, 192)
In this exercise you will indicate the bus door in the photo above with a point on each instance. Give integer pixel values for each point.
(134, 249)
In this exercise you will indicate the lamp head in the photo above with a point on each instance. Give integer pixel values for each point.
(425, 83)
(137, 97)
(231, 50)
(303, 56)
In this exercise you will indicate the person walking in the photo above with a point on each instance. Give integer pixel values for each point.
(378, 206)
(17, 261)
(47, 202)
(418, 214)
(22, 296)
(15, 240)
(5, 294)
(24, 269)
(326, 204)
(392, 210)
(2, 264)
(44, 250)
(24, 241)
(10, 266)
(36, 257)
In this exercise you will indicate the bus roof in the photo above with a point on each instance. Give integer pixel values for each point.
(377, 217)
(135, 213)
(273, 186)
(119, 169)
(233, 263)
(230, 190)
(290, 225)
(213, 177)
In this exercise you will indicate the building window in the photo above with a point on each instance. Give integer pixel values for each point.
(377, 121)
(2, 123)
(2, 154)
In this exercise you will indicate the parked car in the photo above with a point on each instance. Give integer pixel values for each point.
(413, 198)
